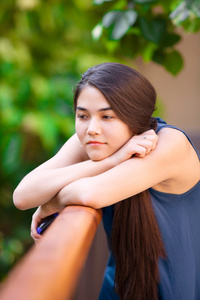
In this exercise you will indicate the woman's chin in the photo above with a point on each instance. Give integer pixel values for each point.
(96, 157)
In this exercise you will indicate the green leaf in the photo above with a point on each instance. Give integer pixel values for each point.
(159, 57)
(170, 39)
(148, 51)
(153, 29)
(119, 22)
(173, 62)
(191, 27)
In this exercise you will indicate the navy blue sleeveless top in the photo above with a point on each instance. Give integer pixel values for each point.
(178, 217)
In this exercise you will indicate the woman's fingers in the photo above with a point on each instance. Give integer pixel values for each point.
(42, 212)
(150, 135)
(144, 143)
(140, 151)
(148, 145)
(138, 145)
(148, 140)
(36, 219)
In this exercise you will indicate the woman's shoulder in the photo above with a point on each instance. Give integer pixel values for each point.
(172, 141)
(179, 135)
(179, 156)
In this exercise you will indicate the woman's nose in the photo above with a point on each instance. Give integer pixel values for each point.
(94, 127)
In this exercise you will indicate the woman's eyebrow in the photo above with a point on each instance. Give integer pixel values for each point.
(101, 109)
(81, 108)
(106, 108)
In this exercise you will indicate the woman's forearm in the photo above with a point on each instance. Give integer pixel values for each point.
(45, 182)
(38, 187)
(157, 169)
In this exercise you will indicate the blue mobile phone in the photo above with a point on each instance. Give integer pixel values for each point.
(45, 223)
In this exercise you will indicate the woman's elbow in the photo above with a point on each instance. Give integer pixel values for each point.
(90, 199)
(83, 192)
(18, 199)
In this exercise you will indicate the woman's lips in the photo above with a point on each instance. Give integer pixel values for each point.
(95, 143)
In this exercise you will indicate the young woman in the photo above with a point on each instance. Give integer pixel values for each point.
(142, 172)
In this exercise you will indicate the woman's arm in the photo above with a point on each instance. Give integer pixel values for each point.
(47, 179)
(173, 168)
(43, 183)
(67, 166)
(140, 146)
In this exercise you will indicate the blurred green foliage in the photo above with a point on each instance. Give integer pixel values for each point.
(44, 47)
(147, 28)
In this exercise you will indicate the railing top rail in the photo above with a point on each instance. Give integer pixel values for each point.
(51, 269)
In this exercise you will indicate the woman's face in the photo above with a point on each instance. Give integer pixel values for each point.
(99, 130)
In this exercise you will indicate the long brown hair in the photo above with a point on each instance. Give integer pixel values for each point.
(136, 241)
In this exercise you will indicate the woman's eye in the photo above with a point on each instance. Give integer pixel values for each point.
(107, 117)
(82, 116)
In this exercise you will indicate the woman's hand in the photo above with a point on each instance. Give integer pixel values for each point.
(138, 145)
(42, 212)
(146, 142)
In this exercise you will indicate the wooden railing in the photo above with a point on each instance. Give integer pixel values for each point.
(51, 269)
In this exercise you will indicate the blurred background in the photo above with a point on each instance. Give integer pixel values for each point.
(44, 48)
